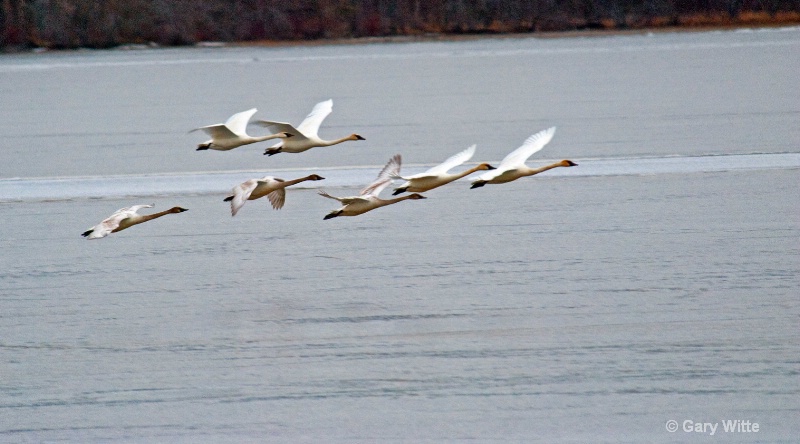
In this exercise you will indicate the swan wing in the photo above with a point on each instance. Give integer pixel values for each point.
(452, 162)
(344, 200)
(135, 208)
(310, 125)
(279, 127)
(241, 193)
(531, 145)
(113, 222)
(237, 123)
(283, 127)
(391, 169)
(217, 132)
(277, 198)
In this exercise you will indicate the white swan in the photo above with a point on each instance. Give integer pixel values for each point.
(512, 167)
(272, 187)
(125, 218)
(233, 133)
(368, 199)
(306, 134)
(438, 176)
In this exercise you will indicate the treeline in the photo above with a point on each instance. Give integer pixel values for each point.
(102, 24)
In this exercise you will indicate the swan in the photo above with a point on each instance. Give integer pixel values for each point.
(305, 135)
(512, 167)
(368, 199)
(272, 187)
(437, 176)
(233, 133)
(125, 218)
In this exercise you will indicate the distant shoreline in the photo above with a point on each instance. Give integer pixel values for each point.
(791, 21)
(455, 37)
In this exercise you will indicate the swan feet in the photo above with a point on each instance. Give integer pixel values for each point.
(203, 146)
(478, 184)
(332, 214)
(399, 190)
(272, 151)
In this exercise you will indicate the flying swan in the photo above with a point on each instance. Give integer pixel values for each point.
(305, 135)
(233, 133)
(368, 199)
(125, 218)
(272, 187)
(512, 167)
(438, 176)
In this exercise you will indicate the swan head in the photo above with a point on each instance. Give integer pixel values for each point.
(177, 210)
(356, 137)
(568, 163)
(485, 166)
(315, 177)
(415, 196)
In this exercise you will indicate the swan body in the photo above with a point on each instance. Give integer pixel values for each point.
(368, 199)
(306, 134)
(512, 167)
(125, 218)
(438, 175)
(233, 133)
(272, 187)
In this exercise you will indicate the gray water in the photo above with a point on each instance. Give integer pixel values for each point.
(656, 281)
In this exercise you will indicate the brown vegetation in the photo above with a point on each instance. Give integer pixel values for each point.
(102, 24)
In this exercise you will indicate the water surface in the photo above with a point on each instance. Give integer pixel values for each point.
(656, 281)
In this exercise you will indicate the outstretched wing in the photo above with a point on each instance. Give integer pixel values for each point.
(237, 123)
(277, 198)
(136, 208)
(392, 169)
(531, 145)
(217, 132)
(343, 200)
(279, 127)
(282, 127)
(310, 125)
(452, 162)
(241, 193)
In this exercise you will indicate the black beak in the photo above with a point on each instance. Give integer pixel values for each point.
(359, 137)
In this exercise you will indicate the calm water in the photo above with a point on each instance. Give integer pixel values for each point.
(657, 281)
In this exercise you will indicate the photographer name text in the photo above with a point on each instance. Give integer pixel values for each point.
(712, 428)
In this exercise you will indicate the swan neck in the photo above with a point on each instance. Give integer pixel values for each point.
(396, 199)
(466, 172)
(147, 217)
(287, 183)
(335, 141)
(545, 168)
(269, 137)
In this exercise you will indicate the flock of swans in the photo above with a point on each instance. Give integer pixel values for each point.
(233, 134)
